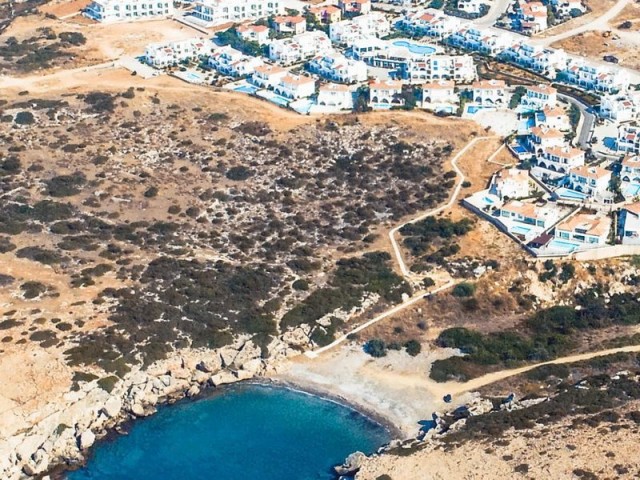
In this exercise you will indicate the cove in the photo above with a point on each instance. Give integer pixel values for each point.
(245, 431)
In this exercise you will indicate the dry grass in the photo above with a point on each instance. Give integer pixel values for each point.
(62, 8)
(595, 45)
(598, 8)
(630, 13)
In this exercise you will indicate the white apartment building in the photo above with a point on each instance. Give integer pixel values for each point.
(459, 68)
(254, 33)
(543, 60)
(268, 76)
(473, 7)
(385, 93)
(217, 12)
(594, 77)
(336, 67)
(298, 48)
(561, 159)
(108, 11)
(539, 97)
(620, 107)
(439, 92)
(477, 40)
(161, 55)
(336, 95)
(232, 62)
(431, 22)
(374, 24)
(628, 140)
(490, 92)
(592, 180)
(296, 86)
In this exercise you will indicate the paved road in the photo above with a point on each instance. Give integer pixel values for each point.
(586, 124)
(498, 7)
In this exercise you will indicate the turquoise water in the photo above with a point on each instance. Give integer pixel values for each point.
(415, 47)
(245, 432)
(562, 245)
(568, 194)
(520, 230)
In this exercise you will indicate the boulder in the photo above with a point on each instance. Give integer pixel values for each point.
(211, 364)
(222, 378)
(137, 409)
(227, 356)
(113, 407)
(352, 464)
(86, 440)
(200, 377)
(166, 380)
(193, 391)
(253, 366)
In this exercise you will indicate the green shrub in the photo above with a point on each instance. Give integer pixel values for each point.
(376, 348)
(108, 383)
(464, 289)
(413, 347)
(24, 118)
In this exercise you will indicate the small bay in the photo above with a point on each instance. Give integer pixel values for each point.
(244, 432)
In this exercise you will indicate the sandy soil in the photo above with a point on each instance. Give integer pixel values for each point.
(63, 9)
(395, 387)
(630, 13)
(595, 45)
(561, 451)
(598, 8)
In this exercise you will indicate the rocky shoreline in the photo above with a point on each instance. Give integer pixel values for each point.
(59, 439)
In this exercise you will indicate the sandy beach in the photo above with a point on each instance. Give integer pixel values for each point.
(395, 387)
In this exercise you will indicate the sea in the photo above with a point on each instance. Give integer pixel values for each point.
(244, 431)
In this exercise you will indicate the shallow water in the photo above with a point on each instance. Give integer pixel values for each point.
(245, 432)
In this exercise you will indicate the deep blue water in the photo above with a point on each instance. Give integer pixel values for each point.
(245, 432)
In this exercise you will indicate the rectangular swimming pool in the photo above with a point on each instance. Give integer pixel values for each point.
(520, 229)
(564, 246)
(570, 194)
(246, 89)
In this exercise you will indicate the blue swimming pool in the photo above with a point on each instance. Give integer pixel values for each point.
(473, 109)
(519, 149)
(520, 230)
(562, 246)
(632, 190)
(565, 193)
(246, 89)
(488, 200)
(415, 47)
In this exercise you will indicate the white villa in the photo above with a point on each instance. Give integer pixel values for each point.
(268, 76)
(566, 8)
(531, 17)
(254, 33)
(630, 169)
(541, 138)
(296, 86)
(161, 55)
(629, 224)
(431, 22)
(561, 159)
(338, 68)
(511, 183)
(595, 77)
(592, 180)
(385, 92)
(490, 92)
(290, 24)
(232, 62)
(585, 228)
(477, 40)
(439, 92)
(471, 6)
(354, 7)
(217, 12)
(620, 107)
(346, 32)
(539, 97)
(628, 140)
(529, 213)
(336, 95)
(555, 118)
(299, 47)
(108, 11)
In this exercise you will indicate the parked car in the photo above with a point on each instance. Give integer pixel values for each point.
(610, 59)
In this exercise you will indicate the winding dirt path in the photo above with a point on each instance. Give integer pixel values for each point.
(456, 388)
